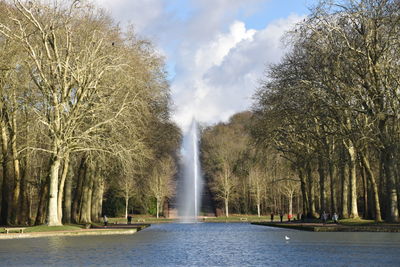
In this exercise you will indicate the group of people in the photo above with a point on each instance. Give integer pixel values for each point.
(324, 217)
(281, 214)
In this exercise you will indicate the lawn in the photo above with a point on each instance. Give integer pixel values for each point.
(140, 218)
(357, 222)
(45, 228)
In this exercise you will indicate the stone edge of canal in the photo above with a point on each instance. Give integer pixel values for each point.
(331, 228)
(83, 232)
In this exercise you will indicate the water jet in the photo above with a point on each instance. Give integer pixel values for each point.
(189, 199)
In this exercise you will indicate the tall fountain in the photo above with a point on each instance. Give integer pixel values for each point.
(191, 183)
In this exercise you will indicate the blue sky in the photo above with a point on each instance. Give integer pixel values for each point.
(275, 9)
(216, 50)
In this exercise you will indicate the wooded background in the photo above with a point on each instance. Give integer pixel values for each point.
(324, 129)
(84, 115)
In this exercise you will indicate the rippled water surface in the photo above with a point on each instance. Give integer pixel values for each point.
(207, 244)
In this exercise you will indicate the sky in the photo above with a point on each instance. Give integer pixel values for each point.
(216, 51)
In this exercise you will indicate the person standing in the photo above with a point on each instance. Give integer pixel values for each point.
(324, 217)
(281, 216)
(335, 218)
(105, 219)
(129, 219)
(272, 216)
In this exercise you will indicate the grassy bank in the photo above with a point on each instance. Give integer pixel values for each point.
(231, 218)
(139, 219)
(345, 225)
(75, 228)
(236, 218)
(45, 228)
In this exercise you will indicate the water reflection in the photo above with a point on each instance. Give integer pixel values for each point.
(207, 244)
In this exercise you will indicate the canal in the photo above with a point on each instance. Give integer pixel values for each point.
(207, 244)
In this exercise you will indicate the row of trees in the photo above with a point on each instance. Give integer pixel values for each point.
(242, 178)
(331, 107)
(84, 113)
(324, 130)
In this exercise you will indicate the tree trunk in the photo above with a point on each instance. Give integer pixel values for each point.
(382, 190)
(365, 191)
(332, 187)
(290, 204)
(321, 172)
(67, 197)
(303, 191)
(312, 213)
(353, 180)
(158, 207)
(24, 217)
(97, 197)
(16, 163)
(17, 181)
(85, 205)
(43, 198)
(374, 187)
(78, 191)
(29, 200)
(391, 184)
(126, 204)
(52, 210)
(90, 196)
(6, 180)
(94, 210)
(226, 207)
(344, 174)
(258, 210)
(61, 187)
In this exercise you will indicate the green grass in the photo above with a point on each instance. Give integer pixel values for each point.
(232, 218)
(45, 228)
(356, 222)
(346, 222)
(138, 218)
(239, 218)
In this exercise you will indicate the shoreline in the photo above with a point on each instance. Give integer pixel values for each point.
(319, 227)
(110, 230)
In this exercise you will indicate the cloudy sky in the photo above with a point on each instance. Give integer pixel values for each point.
(215, 50)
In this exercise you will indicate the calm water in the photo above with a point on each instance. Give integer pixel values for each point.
(207, 244)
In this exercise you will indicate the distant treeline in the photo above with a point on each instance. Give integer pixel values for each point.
(84, 110)
(325, 124)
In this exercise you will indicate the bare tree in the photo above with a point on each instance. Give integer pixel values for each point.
(160, 183)
(126, 186)
(224, 185)
(257, 178)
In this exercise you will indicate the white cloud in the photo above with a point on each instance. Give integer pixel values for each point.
(213, 53)
(217, 60)
(190, 89)
(222, 75)
(140, 13)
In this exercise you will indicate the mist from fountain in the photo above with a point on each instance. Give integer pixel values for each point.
(192, 182)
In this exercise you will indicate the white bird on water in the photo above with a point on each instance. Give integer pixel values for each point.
(287, 238)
